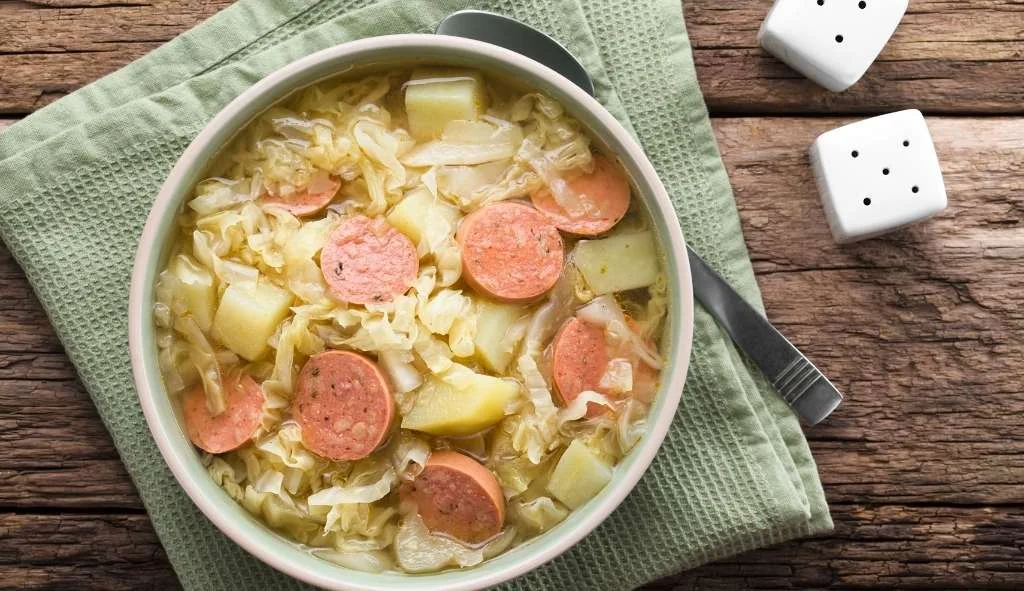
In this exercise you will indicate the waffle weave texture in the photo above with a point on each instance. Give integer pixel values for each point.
(78, 177)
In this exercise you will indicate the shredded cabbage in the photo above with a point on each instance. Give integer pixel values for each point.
(540, 514)
(319, 502)
(617, 377)
(468, 143)
(355, 493)
(631, 425)
(579, 406)
(202, 356)
(554, 147)
(219, 194)
(420, 551)
(372, 561)
(409, 456)
(398, 365)
(604, 311)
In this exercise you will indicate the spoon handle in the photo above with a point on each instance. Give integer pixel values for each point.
(793, 376)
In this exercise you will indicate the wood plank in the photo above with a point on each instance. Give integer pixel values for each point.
(53, 47)
(56, 452)
(87, 552)
(949, 57)
(921, 329)
(893, 546)
(946, 57)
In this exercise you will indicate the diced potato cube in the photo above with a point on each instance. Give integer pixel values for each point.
(420, 210)
(618, 263)
(579, 475)
(441, 408)
(494, 346)
(248, 316)
(435, 96)
(196, 289)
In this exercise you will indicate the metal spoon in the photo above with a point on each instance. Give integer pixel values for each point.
(793, 376)
(519, 37)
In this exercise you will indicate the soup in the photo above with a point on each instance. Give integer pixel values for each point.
(412, 319)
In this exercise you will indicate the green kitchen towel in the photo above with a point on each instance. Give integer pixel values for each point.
(77, 179)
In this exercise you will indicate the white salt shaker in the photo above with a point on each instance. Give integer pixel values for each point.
(878, 175)
(832, 42)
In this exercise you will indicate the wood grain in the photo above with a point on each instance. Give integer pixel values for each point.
(888, 547)
(893, 546)
(52, 47)
(922, 329)
(49, 551)
(56, 451)
(947, 57)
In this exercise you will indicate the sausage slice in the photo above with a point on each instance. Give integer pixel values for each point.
(368, 261)
(579, 357)
(458, 496)
(343, 405)
(308, 201)
(510, 252)
(604, 198)
(243, 407)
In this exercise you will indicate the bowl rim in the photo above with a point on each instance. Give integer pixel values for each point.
(273, 549)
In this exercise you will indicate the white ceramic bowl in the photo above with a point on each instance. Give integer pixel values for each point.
(182, 458)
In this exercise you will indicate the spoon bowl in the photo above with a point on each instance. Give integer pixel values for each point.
(519, 37)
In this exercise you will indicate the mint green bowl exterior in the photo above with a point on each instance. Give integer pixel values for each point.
(183, 459)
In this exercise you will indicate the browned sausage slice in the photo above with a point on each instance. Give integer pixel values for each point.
(510, 252)
(243, 407)
(579, 357)
(458, 496)
(604, 196)
(307, 201)
(368, 261)
(343, 405)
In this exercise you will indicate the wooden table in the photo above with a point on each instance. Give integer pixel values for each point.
(923, 330)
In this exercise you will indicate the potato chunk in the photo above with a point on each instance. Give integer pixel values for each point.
(435, 96)
(443, 408)
(420, 210)
(197, 289)
(494, 346)
(579, 475)
(248, 316)
(618, 263)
